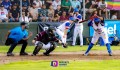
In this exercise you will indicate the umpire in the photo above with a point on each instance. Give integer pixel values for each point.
(18, 35)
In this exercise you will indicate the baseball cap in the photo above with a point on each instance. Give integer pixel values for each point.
(33, 3)
(1, 5)
(23, 23)
(71, 18)
(76, 10)
(96, 20)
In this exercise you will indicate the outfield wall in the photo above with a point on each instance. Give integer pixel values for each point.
(4, 27)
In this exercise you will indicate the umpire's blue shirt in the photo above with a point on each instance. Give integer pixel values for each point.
(18, 34)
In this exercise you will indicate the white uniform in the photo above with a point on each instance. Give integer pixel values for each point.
(61, 29)
(78, 30)
(99, 31)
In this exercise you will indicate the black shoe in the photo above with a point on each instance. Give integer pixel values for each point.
(46, 54)
(33, 54)
(23, 53)
(110, 54)
(10, 54)
(64, 45)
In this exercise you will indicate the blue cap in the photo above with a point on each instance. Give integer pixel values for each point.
(71, 18)
(96, 20)
(76, 10)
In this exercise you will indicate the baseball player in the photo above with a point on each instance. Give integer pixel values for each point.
(78, 28)
(45, 40)
(99, 31)
(63, 29)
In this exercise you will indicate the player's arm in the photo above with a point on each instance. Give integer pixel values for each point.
(27, 36)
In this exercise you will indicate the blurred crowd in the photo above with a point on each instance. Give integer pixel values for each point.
(50, 10)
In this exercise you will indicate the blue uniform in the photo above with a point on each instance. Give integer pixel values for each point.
(17, 34)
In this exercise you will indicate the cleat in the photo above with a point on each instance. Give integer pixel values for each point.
(10, 54)
(46, 54)
(23, 53)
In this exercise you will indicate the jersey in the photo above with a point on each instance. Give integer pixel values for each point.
(65, 25)
(45, 38)
(79, 17)
(98, 29)
(17, 34)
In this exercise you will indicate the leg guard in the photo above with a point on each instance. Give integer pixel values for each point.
(37, 48)
(89, 48)
(52, 47)
(108, 48)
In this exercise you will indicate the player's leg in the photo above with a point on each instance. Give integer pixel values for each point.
(13, 44)
(75, 36)
(24, 45)
(105, 39)
(81, 35)
(52, 45)
(38, 46)
(94, 40)
(61, 34)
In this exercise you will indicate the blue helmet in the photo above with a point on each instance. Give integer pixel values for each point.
(71, 18)
(76, 10)
(97, 20)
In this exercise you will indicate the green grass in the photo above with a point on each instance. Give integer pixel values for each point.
(72, 65)
(4, 49)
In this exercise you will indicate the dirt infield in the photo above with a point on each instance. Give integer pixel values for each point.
(94, 55)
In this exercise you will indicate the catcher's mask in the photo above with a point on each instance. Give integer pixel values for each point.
(51, 31)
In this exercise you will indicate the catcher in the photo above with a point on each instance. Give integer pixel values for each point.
(45, 40)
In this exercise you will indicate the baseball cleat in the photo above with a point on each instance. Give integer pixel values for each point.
(23, 53)
(10, 54)
(64, 45)
(86, 54)
(46, 54)
(110, 54)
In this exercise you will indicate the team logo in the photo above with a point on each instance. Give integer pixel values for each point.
(54, 63)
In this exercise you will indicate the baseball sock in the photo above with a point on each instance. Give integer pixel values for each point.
(89, 47)
(108, 48)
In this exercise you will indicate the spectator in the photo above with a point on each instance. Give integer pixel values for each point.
(34, 12)
(26, 2)
(1, 2)
(24, 9)
(38, 3)
(95, 4)
(24, 18)
(15, 2)
(102, 5)
(58, 13)
(63, 17)
(114, 16)
(3, 14)
(56, 3)
(43, 14)
(31, 2)
(75, 4)
(7, 4)
(14, 14)
(48, 3)
(50, 13)
(66, 5)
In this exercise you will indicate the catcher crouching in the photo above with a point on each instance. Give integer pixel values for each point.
(45, 40)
